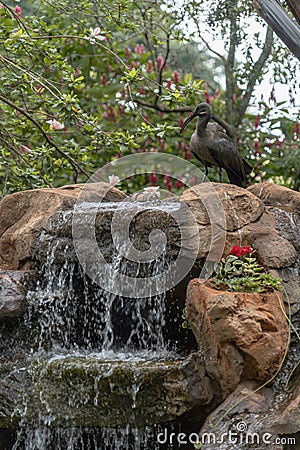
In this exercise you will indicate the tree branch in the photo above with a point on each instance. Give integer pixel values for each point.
(230, 129)
(74, 164)
(256, 71)
(229, 67)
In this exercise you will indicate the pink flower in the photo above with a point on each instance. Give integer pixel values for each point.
(257, 121)
(296, 130)
(18, 11)
(140, 49)
(169, 83)
(217, 93)
(179, 183)
(104, 79)
(160, 62)
(256, 151)
(142, 90)
(40, 90)
(77, 72)
(95, 33)
(127, 52)
(181, 122)
(162, 145)
(176, 76)
(168, 182)
(55, 124)
(149, 66)
(112, 116)
(153, 178)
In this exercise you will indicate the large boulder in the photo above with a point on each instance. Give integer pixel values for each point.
(243, 335)
(24, 214)
(12, 293)
(275, 195)
(220, 212)
(257, 415)
(94, 391)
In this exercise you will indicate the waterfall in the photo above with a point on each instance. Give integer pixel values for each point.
(82, 337)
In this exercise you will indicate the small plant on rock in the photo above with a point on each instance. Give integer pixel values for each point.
(240, 272)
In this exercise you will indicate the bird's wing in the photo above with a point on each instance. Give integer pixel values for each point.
(225, 153)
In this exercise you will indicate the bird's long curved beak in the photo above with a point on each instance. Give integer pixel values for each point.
(188, 120)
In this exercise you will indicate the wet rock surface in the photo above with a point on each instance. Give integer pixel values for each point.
(237, 340)
(95, 392)
(24, 214)
(13, 292)
(254, 416)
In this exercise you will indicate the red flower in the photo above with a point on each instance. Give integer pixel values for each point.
(207, 97)
(168, 182)
(179, 183)
(257, 121)
(240, 251)
(153, 179)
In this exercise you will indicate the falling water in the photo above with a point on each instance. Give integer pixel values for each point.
(80, 326)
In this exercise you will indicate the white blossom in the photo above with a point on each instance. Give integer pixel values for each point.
(55, 124)
(113, 179)
(96, 34)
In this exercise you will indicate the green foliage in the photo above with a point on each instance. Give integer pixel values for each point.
(243, 274)
(117, 78)
(185, 323)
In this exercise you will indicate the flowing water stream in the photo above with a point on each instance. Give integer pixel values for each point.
(94, 355)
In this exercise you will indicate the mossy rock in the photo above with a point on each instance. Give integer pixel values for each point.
(76, 391)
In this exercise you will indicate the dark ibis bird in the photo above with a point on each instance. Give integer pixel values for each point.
(214, 148)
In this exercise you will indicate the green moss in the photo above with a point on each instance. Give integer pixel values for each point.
(80, 392)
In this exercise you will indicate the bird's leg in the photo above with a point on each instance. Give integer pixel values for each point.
(206, 173)
(220, 174)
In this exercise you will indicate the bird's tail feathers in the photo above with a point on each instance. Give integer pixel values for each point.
(247, 167)
(234, 177)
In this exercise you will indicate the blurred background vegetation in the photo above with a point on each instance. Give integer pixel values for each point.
(83, 83)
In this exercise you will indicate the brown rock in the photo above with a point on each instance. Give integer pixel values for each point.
(12, 293)
(24, 214)
(274, 195)
(237, 206)
(242, 335)
(273, 250)
(243, 416)
(262, 412)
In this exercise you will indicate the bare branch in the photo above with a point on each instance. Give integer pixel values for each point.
(256, 71)
(208, 46)
(229, 66)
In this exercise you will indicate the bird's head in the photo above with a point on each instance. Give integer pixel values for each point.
(203, 110)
